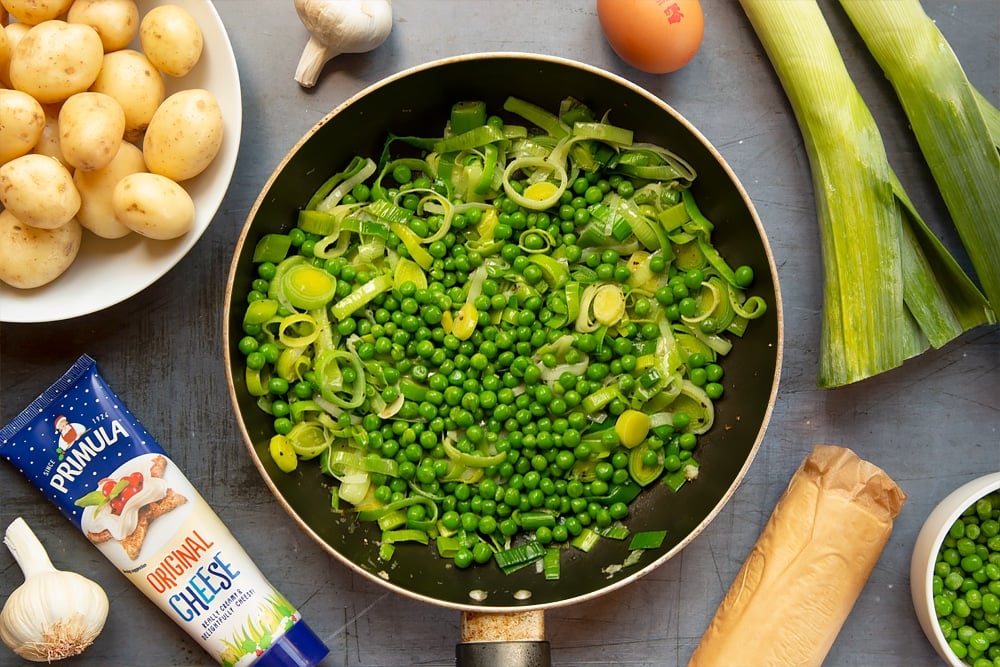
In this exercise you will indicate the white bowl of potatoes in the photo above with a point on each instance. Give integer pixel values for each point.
(130, 158)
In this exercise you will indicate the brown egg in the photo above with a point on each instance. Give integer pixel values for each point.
(655, 36)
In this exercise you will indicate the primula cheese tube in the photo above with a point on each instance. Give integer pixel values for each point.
(92, 458)
(809, 564)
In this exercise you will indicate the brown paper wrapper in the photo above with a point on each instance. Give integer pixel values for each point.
(802, 577)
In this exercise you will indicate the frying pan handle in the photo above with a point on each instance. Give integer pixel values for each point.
(503, 654)
(512, 639)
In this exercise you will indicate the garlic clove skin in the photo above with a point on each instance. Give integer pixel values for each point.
(54, 614)
(339, 26)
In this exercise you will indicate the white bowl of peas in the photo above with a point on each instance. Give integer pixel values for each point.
(955, 574)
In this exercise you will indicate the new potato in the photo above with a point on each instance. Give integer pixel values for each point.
(96, 187)
(89, 138)
(48, 143)
(184, 135)
(4, 58)
(34, 12)
(55, 59)
(171, 38)
(129, 77)
(153, 205)
(23, 123)
(31, 257)
(116, 21)
(15, 32)
(39, 190)
(91, 128)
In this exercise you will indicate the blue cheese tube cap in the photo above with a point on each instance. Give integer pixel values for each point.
(298, 647)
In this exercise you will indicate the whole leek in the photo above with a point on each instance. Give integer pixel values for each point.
(891, 290)
(947, 120)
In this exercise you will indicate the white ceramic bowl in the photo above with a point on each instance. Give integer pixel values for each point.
(925, 552)
(108, 271)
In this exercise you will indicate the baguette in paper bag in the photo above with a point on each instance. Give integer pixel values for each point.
(809, 564)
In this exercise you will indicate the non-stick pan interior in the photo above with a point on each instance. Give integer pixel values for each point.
(417, 102)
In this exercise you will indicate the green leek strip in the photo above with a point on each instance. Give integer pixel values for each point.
(340, 462)
(389, 211)
(312, 221)
(362, 295)
(353, 177)
(297, 331)
(386, 551)
(408, 270)
(519, 556)
(600, 398)
(377, 513)
(866, 313)
(434, 202)
(292, 363)
(412, 243)
(272, 248)
(472, 460)
(749, 308)
(649, 234)
(458, 472)
(675, 480)
(332, 245)
(616, 531)
(477, 137)
(603, 132)
(715, 260)
(256, 385)
(697, 219)
(554, 272)
(299, 410)
(546, 120)
(354, 167)
(447, 546)
(647, 539)
(945, 115)
(491, 156)
(466, 115)
(392, 520)
(537, 519)
(674, 217)
(586, 540)
(572, 110)
(405, 535)
(260, 311)
(655, 163)
(620, 493)
(328, 388)
(364, 227)
(551, 567)
(412, 391)
(547, 241)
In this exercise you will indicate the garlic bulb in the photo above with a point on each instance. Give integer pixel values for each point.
(54, 614)
(339, 26)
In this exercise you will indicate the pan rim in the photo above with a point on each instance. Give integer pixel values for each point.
(778, 343)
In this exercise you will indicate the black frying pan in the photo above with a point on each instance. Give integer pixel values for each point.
(416, 102)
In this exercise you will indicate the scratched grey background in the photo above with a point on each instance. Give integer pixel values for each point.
(932, 424)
